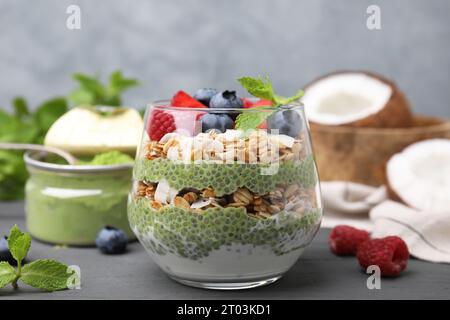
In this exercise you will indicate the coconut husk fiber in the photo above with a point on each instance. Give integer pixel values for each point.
(360, 154)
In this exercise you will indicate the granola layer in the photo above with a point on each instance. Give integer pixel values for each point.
(232, 146)
(290, 198)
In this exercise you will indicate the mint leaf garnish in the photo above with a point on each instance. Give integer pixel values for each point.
(45, 274)
(283, 100)
(248, 120)
(7, 274)
(19, 243)
(263, 89)
(48, 275)
(258, 88)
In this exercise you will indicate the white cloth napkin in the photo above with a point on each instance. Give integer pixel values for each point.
(427, 234)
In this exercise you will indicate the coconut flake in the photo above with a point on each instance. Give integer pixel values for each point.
(231, 135)
(203, 135)
(227, 156)
(186, 144)
(172, 153)
(212, 145)
(201, 203)
(282, 139)
(168, 136)
(162, 191)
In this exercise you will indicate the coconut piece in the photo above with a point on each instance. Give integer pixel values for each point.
(227, 156)
(419, 176)
(360, 154)
(231, 135)
(282, 139)
(164, 193)
(359, 99)
(165, 138)
(186, 144)
(172, 153)
(211, 145)
(86, 131)
(201, 203)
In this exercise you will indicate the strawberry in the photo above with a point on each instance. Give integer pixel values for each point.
(263, 125)
(262, 102)
(247, 103)
(182, 99)
(250, 104)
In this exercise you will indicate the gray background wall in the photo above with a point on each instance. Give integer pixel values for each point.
(188, 44)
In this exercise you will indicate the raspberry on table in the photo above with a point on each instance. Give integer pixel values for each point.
(390, 254)
(344, 240)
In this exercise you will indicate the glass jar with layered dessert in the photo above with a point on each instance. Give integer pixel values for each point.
(220, 207)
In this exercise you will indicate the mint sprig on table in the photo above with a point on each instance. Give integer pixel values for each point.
(263, 89)
(49, 275)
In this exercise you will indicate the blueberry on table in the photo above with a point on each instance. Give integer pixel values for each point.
(220, 122)
(204, 95)
(5, 254)
(111, 240)
(226, 99)
(288, 122)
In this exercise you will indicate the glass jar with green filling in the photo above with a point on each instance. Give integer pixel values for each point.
(69, 204)
(221, 206)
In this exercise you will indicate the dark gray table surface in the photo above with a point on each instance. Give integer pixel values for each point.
(317, 275)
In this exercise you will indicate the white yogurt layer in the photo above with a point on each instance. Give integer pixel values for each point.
(231, 262)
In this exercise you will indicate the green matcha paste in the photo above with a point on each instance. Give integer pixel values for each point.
(109, 158)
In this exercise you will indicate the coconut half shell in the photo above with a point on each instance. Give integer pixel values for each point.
(419, 176)
(360, 154)
(357, 99)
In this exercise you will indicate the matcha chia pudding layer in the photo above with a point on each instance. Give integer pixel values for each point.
(220, 207)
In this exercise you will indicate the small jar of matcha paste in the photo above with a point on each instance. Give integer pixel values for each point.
(69, 204)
